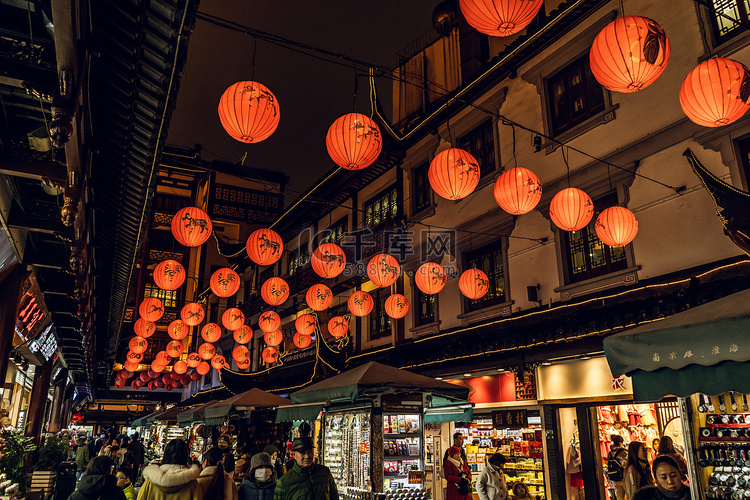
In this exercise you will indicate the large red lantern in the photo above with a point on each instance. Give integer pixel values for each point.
(354, 141)
(270, 355)
(243, 363)
(305, 324)
(157, 367)
(138, 345)
(328, 260)
(499, 17)
(218, 361)
(269, 321)
(319, 297)
(206, 351)
(163, 358)
(151, 309)
(175, 348)
(131, 366)
(518, 191)
(203, 368)
(180, 367)
(191, 227)
(274, 291)
(133, 357)
(629, 54)
(616, 226)
(396, 306)
(264, 247)
(338, 326)
(192, 314)
(193, 359)
(453, 174)
(273, 338)
(361, 303)
(240, 353)
(144, 328)
(232, 318)
(169, 275)
(243, 334)
(225, 282)
(716, 92)
(430, 278)
(249, 112)
(177, 329)
(474, 284)
(383, 270)
(301, 341)
(211, 332)
(195, 376)
(571, 209)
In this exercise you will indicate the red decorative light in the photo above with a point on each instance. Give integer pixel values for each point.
(175, 348)
(354, 141)
(270, 355)
(396, 306)
(328, 260)
(203, 368)
(180, 367)
(193, 359)
(629, 54)
(474, 284)
(232, 318)
(138, 345)
(571, 209)
(360, 303)
(177, 329)
(430, 278)
(453, 174)
(211, 332)
(225, 282)
(169, 275)
(243, 334)
(192, 314)
(144, 377)
(218, 362)
(240, 353)
(133, 357)
(499, 17)
(206, 351)
(518, 191)
(301, 341)
(383, 270)
(269, 321)
(319, 297)
(616, 226)
(264, 247)
(163, 358)
(156, 367)
(131, 366)
(195, 376)
(305, 324)
(716, 92)
(144, 328)
(243, 363)
(249, 112)
(338, 326)
(191, 227)
(274, 291)
(273, 338)
(151, 309)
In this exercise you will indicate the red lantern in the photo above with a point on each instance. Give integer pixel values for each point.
(716, 92)
(249, 112)
(203, 368)
(518, 191)
(176, 384)
(169, 275)
(301, 341)
(218, 361)
(192, 314)
(206, 351)
(131, 366)
(338, 326)
(396, 306)
(571, 209)
(163, 358)
(151, 373)
(269, 321)
(360, 303)
(499, 17)
(319, 297)
(225, 282)
(264, 247)
(125, 373)
(191, 227)
(144, 328)
(240, 353)
(185, 379)
(119, 384)
(305, 324)
(243, 363)
(166, 378)
(353, 141)
(195, 376)
(430, 278)
(193, 359)
(175, 348)
(328, 260)
(453, 174)
(243, 334)
(168, 387)
(616, 226)
(180, 367)
(133, 384)
(474, 284)
(177, 329)
(273, 338)
(133, 357)
(274, 291)
(232, 318)
(151, 309)
(156, 367)
(383, 270)
(270, 355)
(143, 377)
(211, 332)
(138, 345)
(629, 54)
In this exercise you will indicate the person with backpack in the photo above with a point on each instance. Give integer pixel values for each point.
(617, 460)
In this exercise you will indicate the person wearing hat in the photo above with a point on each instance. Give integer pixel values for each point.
(259, 483)
(273, 452)
(458, 476)
(306, 479)
(669, 485)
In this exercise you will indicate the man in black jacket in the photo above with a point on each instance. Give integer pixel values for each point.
(98, 482)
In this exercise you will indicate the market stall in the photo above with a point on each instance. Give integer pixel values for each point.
(192, 419)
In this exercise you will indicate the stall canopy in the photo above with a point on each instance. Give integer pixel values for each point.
(194, 414)
(169, 415)
(704, 349)
(217, 412)
(143, 421)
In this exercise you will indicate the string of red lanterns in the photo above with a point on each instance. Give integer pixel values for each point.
(249, 112)
(353, 141)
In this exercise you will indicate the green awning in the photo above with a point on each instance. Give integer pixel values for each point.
(216, 413)
(169, 415)
(293, 412)
(448, 410)
(143, 421)
(194, 414)
(715, 379)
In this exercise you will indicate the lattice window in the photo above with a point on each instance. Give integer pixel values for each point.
(168, 297)
(383, 207)
(426, 311)
(490, 260)
(380, 322)
(574, 96)
(480, 142)
(727, 18)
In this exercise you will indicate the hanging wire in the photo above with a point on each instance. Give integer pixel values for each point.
(515, 160)
(450, 136)
(567, 166)
(252, 59)
(356, 84)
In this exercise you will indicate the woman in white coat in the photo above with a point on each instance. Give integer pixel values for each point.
(491, 481)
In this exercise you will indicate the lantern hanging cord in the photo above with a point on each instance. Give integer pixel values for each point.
(567, 166)
(515, 160)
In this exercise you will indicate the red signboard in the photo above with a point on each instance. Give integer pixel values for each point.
(500, 388)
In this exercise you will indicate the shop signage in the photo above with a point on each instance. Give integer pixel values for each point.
(32, 312)
(45, 344)
(510, 419)
(525, 386)
(363, 447)
(415, 477)
(500, 388)
(245, 205)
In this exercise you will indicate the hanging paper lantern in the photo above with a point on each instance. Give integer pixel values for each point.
(249, 112)
(193, 359)
(571, 209)
(269, 321)
(134, 385)
(133, 357)
(243, 334)
(151, 373)
(353, 141)
(158, 368)
(243, 363)
(168, 387)
(163, 358)
(361, 303)
(240, 352)
(151, 309)
(126, 373)
(430, 278)
(203, 368)
(138, 345)
(144, 377)
(191, 227)
(218, 362)
(195, 376)
(169, 275)
(166, 378)
(338, 326)
(305, 324)
(499, 17)
(273, 338)
(175, 348)
(185, 379)
(225, 282)
(301, 341)
(629, 54)
(264, 247)
(206, 351)
(716, 92)
(319, 297)
(518, 191)
(453, 174)
(211, 332)
(232, 318)
(274, 291)
(192, 314)
(144, 328)
(396, 306)
(176, 384)
(270, 355)
(131, 366)
(328, 260)
(383, 270)
(177, 329)
(616, 226)
(474, 284)
(180, 367)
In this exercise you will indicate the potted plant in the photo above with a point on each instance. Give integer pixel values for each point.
(53, 452)
(13, 449)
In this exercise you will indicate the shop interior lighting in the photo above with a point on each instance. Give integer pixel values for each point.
(438, 378)
(467, 374)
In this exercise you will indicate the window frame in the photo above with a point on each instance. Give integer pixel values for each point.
(486, 128)
(297, 258)
(426, 190)
(151, 290)
(492, 248)
(713, 18)
(325, 235)
(378, 314)
(378, 198)
(419, 319)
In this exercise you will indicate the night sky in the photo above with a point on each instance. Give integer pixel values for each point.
(311, 93)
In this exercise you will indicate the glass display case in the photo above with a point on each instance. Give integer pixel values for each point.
(346, 449)
(403, 464)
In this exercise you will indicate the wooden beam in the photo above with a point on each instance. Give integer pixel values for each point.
(33, 169)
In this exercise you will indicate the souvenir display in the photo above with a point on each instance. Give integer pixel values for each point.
(346, 448)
